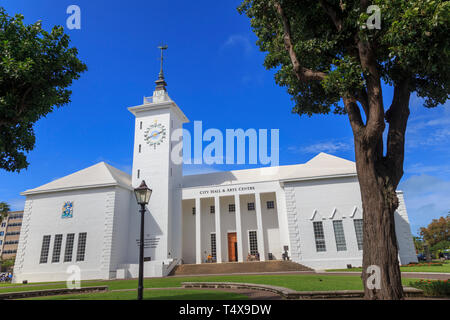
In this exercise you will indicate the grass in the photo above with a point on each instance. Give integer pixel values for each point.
(445, 268)
(151, 295)
(296, 282)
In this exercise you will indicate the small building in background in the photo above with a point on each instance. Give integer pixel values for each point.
(10, 234)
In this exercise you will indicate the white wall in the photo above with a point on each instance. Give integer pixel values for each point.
(272, 239)
(188, 236)
(327, 200)
(42, 216)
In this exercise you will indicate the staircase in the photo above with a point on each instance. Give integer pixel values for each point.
(237, 267)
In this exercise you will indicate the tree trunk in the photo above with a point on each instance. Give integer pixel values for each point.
(379, 241)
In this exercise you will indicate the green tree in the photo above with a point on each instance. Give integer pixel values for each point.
(4, 209)
(331, 59)
(7, 265)
(36, 68)
(418, 244)
(440, 246)
(437, 231)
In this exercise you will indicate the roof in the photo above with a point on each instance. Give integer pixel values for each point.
(321, 166)
(98, 175)
(102, 174)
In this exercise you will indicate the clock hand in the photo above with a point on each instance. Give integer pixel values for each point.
(155, 134)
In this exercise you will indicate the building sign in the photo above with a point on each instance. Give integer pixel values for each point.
(226, 190)
(67, 210)
(149, 243)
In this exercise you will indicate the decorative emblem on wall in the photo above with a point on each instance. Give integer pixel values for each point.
(67, 210)
(155, 134)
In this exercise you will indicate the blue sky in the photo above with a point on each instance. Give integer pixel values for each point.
(215, 74)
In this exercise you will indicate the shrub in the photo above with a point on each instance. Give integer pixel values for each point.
(433, 288)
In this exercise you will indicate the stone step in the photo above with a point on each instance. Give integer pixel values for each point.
(238, 267)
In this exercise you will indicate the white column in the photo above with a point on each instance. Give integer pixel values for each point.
(198, 231)
(237, 203)
(259, 223)
(218, 231)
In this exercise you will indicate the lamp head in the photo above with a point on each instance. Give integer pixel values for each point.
(143, 194)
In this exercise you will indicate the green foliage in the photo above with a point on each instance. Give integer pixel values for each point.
(441, 246)
(437, 231)
(8, 264)
(36, 68)
(4, 209)
(418, 244)
(413, 44)
(432, 288)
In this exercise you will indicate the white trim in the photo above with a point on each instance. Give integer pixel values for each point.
(333, 213)
(355, 208)
(313, 215)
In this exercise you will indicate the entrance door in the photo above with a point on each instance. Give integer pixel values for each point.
(232, 247)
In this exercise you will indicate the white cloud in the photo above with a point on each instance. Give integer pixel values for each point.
(327, 147)
(238, 40)
(420, 168)
(427, 198)
(191, 169)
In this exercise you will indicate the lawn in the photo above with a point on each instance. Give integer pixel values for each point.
(445, 268)
(151, 295)
(298, 282)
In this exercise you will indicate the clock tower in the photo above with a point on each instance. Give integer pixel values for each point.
(156, 119)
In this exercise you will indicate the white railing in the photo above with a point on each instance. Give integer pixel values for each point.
(148, 100)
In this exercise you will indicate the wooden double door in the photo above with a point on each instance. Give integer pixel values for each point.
(232, 247)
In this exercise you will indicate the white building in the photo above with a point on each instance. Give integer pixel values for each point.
(91, 218)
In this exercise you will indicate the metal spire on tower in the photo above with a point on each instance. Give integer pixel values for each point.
(161, 83)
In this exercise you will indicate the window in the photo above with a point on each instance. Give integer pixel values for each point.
(81, 249)
(141, 125)
(213, 245)
(45, 249)
(1, 241)
(57, 248)
(193, 210)
(251, 206)
(359, 232)
(138, 173)
(15, 224)
(140, 147)
(3, 224)
(232, 207)
(212, 209)
(339, 235)
(253, 242)
(270, 205)
(2, 233)
(69, 247)
(319, 235)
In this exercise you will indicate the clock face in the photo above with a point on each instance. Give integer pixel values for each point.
(155, 134)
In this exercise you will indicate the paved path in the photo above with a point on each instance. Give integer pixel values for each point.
(419, 275)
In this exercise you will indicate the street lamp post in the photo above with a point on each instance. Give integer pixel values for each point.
(142, 194)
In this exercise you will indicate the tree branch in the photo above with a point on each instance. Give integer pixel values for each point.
(375, 117)
(397, 116)
(303, 74)
(354, 115)
(332, 13)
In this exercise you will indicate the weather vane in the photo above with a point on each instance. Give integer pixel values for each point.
(162, 48)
